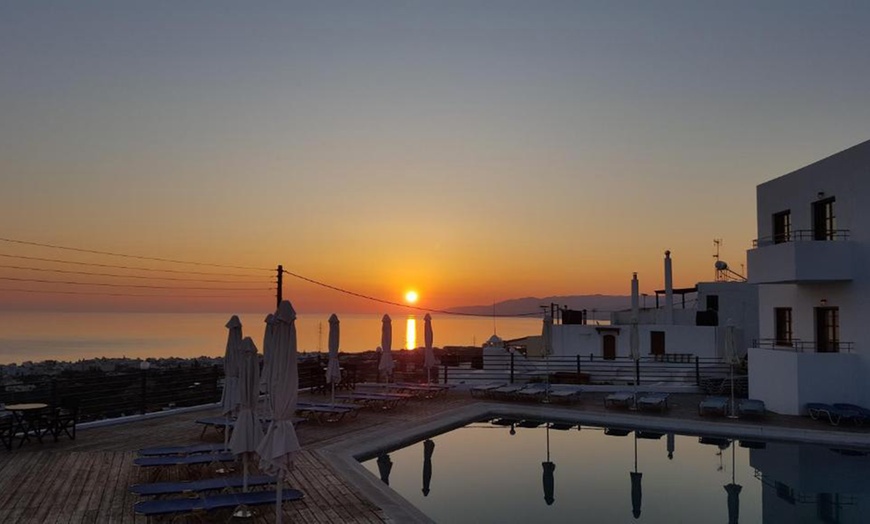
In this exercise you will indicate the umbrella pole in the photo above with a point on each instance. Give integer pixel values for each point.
(733, 414)
(333, 392)
(279, 496)
(227, 433)
(245, 472)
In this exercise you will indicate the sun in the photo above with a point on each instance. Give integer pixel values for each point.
(411, 297)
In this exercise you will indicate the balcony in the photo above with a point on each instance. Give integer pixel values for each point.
(798, 258)
(803, 346)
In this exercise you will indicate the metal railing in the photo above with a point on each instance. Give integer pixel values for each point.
(802, 235)
(108, 395)
(804, 346)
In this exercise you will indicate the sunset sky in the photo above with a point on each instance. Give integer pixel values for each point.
(473, 151)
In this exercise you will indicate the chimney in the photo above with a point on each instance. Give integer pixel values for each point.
(669, 290)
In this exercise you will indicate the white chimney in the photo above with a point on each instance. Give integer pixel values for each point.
(635, 298)
(669, 290)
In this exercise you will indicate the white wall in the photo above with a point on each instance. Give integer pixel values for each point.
(571, 340)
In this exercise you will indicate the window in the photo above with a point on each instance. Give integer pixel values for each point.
(824, 221)
(782, 227)
(782, 325)
(712, 302)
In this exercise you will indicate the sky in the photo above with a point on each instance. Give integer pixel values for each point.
(473, 151)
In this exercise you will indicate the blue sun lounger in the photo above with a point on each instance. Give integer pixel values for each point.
(485, 390)
(151, 508)
(193, 486)
(180, 450)
(657, 401)
(835, 413)
(713, 405)
(565, 392)
(620, 399)
(323, 413)
(183, 460)
(862, 413)
(751, 407)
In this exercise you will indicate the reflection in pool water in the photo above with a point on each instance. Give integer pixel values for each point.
(526, 471)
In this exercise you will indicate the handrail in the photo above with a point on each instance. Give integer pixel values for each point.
(797, 345)
(802, 235)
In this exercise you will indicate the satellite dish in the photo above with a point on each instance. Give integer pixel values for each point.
(721, 265)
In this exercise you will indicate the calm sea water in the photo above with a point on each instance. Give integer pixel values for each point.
(484, 473)
(73, 336)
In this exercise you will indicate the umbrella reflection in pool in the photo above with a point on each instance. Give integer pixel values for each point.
(428, 449)
(385, 465)
(636, 493)
(549, 477)
(733, 489)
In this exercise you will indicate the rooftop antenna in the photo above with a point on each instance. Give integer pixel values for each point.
(717, 243)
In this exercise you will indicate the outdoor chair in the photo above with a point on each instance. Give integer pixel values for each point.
(657, 401)
(194, 486)
(208, 503)
(7, 429)
(64, 418)
(714, 406)
(751, 407)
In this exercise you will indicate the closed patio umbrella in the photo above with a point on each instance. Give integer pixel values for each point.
(634, 349)
(731, 358)
(268, 341)
(428, 449)
(333, 370)
(385, 466)
(230, 393)
(429, 355)
(386, 363)
(278, 447)
(248, 431)
(671, 446)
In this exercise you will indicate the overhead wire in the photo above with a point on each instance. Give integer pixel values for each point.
(133, 268)
(115, 275)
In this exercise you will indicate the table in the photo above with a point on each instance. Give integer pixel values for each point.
(27, 420)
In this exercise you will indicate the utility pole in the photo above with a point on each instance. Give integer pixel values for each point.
(280, 294)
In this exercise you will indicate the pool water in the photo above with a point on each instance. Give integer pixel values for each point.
(487, 472)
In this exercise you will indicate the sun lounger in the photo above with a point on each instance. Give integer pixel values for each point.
(750, 407)
(617, 432)
(505, 421)
(713, 405)
(351, 410)
(381, 400)
(507, 391)
(862, 413)
(180, 450)
(195, 486)
(322, 413)
(565, 392)
(649, 435)
(562, 426)
(151, 508)
(657, 401)
(183, 460)
(720, 442)
(532, 392)
(530, 423)
(835, 413)
(484, 390)
(621, 399)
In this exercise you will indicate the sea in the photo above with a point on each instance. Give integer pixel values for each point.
(29, 336)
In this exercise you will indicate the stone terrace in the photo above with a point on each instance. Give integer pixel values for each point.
(87, 480)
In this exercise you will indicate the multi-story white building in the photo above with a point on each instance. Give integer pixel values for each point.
(812, 264)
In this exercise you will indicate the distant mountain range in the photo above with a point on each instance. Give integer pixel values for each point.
(522, 306)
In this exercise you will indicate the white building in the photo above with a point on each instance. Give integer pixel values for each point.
(811, 263)
(677, 329)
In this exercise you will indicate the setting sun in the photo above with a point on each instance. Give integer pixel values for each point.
(411, 297)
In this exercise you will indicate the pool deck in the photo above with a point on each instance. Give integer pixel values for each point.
(87, 480)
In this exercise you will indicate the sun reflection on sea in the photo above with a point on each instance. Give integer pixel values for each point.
(411, 333)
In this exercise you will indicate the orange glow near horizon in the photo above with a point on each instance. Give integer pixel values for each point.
(411, 333)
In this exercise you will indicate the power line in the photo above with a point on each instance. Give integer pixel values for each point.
(143, 286)
(57, 292)
(115, 275)
(399, 304)
(140, 257)
(133, 268)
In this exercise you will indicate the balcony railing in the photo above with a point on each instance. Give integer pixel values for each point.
(804, 346)
(802, 235)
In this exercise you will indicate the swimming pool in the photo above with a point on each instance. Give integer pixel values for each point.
(494, 471)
